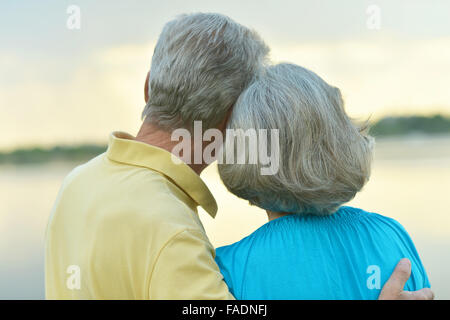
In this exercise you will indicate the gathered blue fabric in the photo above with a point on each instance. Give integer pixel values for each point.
(347, 255)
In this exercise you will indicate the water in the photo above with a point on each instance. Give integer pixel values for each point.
(410, 182)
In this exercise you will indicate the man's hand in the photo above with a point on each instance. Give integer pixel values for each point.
(393, 289)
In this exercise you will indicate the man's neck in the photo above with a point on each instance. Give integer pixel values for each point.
(154, 135)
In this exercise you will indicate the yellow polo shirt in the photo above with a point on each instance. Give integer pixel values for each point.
(125, 226)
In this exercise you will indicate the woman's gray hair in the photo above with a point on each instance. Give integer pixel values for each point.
(201, 64)
(324, 157)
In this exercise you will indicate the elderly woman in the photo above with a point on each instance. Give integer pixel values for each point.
(312, 247)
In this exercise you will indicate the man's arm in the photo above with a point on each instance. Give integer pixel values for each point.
(185, 269)
(393, 288)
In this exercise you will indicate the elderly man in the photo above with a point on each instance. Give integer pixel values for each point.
(125, 224)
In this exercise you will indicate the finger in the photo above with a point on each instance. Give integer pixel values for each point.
(423, 294)
(394, 286)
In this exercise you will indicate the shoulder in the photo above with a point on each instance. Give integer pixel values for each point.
(240, 249)
(126, 195)
(377, 221)
(258, 238)
(157, 214)
(395, 241)
(187, 239)
(385, 232)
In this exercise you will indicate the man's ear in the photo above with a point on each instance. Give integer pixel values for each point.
(146, 87)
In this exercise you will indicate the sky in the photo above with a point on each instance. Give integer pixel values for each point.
(63, 86)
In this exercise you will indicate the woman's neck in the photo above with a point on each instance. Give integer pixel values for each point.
(275, 215)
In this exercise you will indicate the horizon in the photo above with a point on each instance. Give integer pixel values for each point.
(385, 134)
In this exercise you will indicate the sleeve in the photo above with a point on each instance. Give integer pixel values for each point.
(185, 269)
(232, 265)
(419, 278)
(224, 260)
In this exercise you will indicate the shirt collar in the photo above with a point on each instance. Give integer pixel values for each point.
(123, 148)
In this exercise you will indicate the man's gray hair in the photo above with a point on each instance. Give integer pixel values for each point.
(201, 64)
(324, 157)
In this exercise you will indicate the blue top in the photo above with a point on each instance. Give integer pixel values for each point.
(348, 255)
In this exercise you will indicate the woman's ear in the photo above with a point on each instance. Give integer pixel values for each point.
(146, 87)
